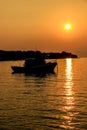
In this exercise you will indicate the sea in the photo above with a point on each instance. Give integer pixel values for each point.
(55, 101)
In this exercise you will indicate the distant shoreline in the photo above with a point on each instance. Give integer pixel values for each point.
(22, 55)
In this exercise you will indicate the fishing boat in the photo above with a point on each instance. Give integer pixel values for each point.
(35, 65)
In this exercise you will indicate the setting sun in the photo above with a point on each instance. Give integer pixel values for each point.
(68, 26)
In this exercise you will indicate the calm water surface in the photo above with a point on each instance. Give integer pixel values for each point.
(51, 102)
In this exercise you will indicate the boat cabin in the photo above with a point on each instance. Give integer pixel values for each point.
(33, 62)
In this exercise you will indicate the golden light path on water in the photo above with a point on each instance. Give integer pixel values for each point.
(69, 97)
(69, 82)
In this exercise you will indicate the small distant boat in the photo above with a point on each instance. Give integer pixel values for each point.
(35, 65)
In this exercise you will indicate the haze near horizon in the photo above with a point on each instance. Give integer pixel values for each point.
(49, 25)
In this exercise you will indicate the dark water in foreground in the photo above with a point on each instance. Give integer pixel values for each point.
(52, 102)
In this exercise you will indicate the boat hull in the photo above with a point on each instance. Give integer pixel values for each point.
(47, 68)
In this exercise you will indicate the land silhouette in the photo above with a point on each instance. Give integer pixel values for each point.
(22, 55)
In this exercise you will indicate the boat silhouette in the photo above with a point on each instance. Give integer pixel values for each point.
(35, 65)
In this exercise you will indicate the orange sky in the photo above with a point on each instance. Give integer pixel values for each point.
(36, 24)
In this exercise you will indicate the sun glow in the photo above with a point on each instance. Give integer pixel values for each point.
(68, 26)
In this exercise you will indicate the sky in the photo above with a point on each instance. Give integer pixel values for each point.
(40, 25)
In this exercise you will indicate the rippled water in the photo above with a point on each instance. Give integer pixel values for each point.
(51, 102)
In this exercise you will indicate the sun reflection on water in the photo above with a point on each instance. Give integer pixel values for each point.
(69, 84)
(68, 70)
(69, 95)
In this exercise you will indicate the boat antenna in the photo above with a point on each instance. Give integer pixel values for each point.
(36, 47)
